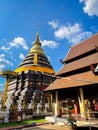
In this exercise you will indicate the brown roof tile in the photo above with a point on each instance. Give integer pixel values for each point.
(83, 47)
(83, 79)
(83, 62)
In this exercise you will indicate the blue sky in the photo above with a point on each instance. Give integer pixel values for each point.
(61, 23)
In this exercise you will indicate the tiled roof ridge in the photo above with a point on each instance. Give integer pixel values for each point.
(72, 54)
(85, 40)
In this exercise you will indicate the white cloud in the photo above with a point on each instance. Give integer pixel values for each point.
(80, 37)
(73, 33)
(91, 7)
(49, 58)
(53, 24)
(2, 66)
(5, 48)
(82, 0)
(67, 31)
(94, 28)
(19, 41)
(21, 56)
(51, 44)
(2, 55)
(4, 62)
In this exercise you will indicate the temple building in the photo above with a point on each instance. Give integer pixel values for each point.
(77, 80)
(24, 88)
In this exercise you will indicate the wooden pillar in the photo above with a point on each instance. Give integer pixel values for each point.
(51, 99)
(82, 103)
(56, 104)
(5, 92)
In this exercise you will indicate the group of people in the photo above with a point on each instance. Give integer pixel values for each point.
(92, 108)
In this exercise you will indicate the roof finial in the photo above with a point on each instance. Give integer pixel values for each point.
(37, 34)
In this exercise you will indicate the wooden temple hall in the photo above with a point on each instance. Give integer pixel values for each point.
(77, 81)
(24, 88)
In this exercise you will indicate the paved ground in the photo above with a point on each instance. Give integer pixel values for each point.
(49, 127)
(40, 127)
(52, 127)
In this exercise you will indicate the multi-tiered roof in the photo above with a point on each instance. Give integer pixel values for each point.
(79, 66)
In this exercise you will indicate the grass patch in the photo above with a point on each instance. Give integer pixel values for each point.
(22, 122)
(34, 120)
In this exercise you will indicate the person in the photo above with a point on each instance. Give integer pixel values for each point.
(76, 108)
(96, 109)
(96, 106)
(92, 102)
(87, 105)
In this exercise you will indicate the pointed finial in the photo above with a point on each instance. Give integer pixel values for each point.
(37, 37)
(37, 34)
